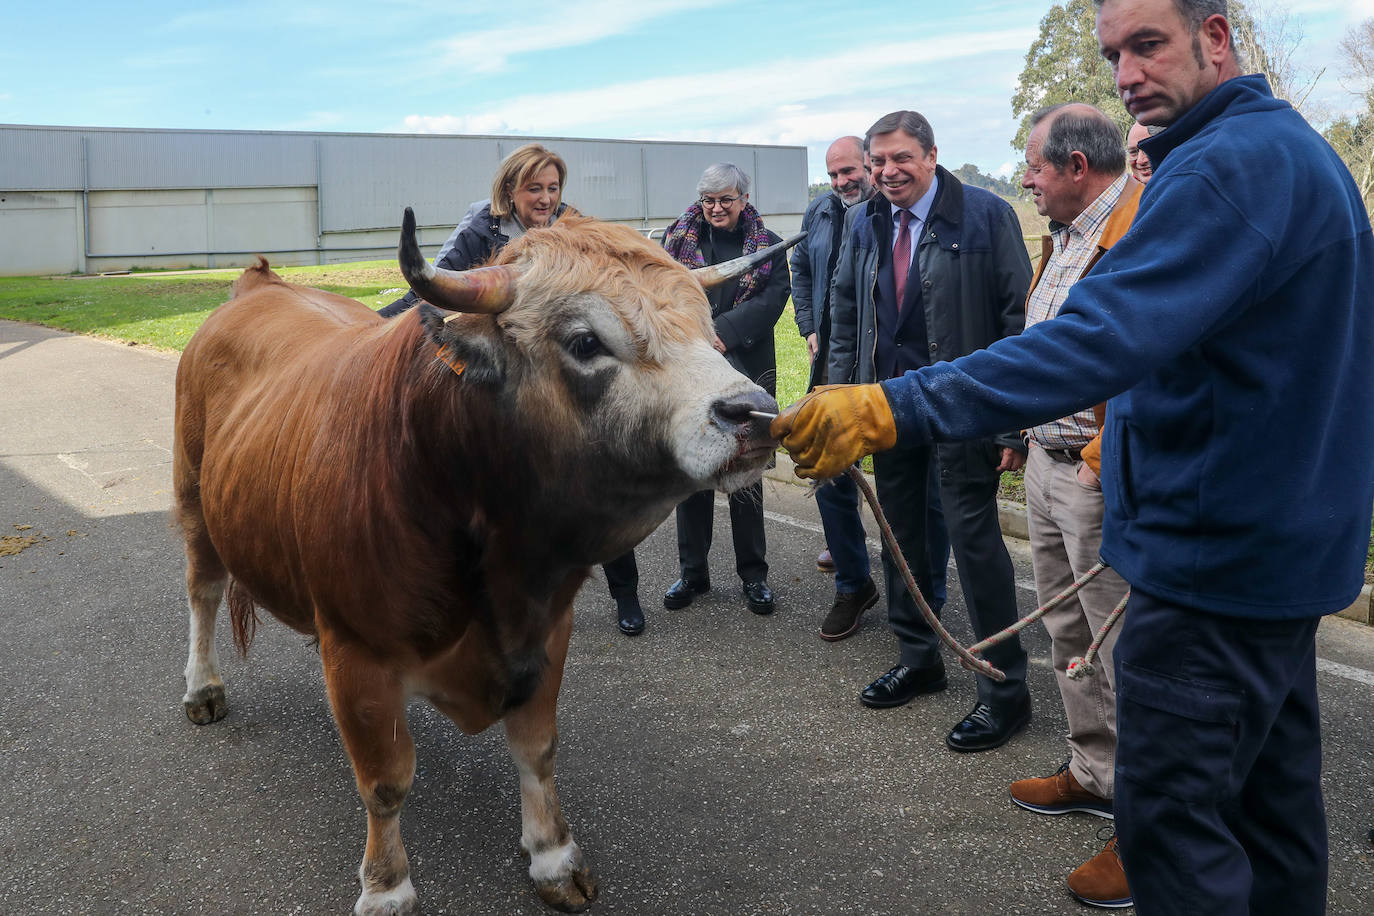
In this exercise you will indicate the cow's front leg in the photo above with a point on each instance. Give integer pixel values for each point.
(556, 866)
(369, 707)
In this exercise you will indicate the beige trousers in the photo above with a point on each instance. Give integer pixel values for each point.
(1065, 521)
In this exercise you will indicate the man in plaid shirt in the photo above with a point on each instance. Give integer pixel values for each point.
(1075, 166)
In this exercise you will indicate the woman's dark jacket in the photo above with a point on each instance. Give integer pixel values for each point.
(746, 328)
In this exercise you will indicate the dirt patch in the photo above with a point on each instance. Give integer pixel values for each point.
(346, 276)
(12, 544)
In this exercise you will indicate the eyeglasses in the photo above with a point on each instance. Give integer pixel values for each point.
(709, 203)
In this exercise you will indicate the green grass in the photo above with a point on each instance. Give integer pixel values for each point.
(794, 366)
(164, 310)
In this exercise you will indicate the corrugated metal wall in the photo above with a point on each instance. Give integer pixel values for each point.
(341, 195)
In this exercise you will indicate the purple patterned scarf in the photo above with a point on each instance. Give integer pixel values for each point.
(682, 241)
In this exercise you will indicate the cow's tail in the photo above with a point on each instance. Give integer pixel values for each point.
(243, 614)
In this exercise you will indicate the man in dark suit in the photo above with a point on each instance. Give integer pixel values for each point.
(933, 270)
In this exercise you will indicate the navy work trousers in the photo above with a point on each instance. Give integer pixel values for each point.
(1218, 763)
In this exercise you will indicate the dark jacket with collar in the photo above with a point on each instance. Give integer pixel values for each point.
(813, 264)
(974, 274)
(746, 328)
(1233, 324)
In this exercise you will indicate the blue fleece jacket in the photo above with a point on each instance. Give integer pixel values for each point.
(1233, 330)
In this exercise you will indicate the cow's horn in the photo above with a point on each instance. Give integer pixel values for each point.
(717, 274)
(486, 289)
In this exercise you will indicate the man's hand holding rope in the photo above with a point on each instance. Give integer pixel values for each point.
(834, 426)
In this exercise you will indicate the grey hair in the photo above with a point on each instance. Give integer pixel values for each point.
(1081, 127)
(911, 123)
(723, 176)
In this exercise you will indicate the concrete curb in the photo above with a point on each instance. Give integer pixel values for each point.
(1013, 518)
(1363, 608)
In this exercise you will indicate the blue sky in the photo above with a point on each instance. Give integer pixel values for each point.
(797, 73)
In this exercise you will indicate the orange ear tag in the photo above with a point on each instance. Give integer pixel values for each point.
(453, 363)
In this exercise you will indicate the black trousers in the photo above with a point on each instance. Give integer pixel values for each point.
(622, 576)
(1218, 765)
(968, 490)
(694, 529)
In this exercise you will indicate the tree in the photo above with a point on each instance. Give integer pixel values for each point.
(1352, 136)
(968, 173)
(1064, 64)
(1267, 40)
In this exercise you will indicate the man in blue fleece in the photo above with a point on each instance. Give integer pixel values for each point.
(1233, 329)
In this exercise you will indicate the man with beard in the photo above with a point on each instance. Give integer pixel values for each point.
(813, 263)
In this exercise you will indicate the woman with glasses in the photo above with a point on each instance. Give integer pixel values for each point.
(720, 226)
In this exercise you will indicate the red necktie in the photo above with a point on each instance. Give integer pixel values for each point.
(901, 257)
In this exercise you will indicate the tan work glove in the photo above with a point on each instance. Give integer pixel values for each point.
(833, 427)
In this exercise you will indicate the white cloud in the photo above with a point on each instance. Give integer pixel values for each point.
(806, 102)
(458, 124)
(579, 23)
(1005, 170)
(715, 99)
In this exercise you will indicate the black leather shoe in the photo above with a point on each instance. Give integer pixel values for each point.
(759, 596)
(630, 614)
(681, 592)
(988, 727)
(903, 684)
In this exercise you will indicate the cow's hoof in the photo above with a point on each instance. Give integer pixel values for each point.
(399, 901)
(206, 705)
(571, 894)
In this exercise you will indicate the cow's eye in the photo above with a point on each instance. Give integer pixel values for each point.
(586, 345)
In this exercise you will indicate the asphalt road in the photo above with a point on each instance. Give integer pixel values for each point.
(718, 764)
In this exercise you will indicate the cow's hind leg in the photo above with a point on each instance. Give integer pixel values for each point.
(205, 581)
(369, 707)
(559, 873)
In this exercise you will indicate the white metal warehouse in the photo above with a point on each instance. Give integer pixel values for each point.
(92, 199)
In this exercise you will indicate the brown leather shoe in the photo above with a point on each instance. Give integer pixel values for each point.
(825, 562)
(1101, 881)
(1058, 793)
(848, 609)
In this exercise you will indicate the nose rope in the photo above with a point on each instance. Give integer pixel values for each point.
(1079, 667)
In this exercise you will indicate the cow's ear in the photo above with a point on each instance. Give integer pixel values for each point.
(471, 342)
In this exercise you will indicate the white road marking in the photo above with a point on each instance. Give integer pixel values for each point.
(1350, 673)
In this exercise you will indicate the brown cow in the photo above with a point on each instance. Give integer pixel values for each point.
(425, 496)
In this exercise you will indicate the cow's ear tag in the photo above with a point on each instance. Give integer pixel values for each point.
(445, 356)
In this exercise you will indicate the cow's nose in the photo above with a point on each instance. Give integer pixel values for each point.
(735, 411)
